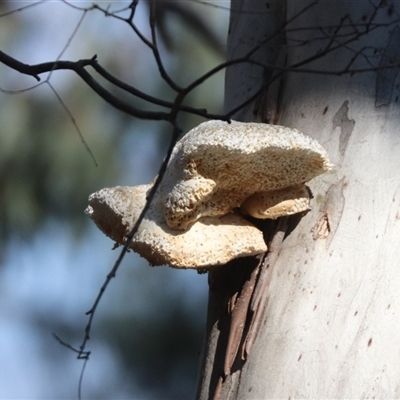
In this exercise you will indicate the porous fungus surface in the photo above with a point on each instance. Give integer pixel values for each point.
(211, 241)
(278, 203)
(235, 161)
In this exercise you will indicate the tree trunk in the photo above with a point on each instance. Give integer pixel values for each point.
(331, 327)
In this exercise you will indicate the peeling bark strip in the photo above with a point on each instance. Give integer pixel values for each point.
(346, 125)
(321, 229)
(385, 78)
(245, 308)
(331, 211)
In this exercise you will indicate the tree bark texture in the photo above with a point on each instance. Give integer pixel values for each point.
(331, 326)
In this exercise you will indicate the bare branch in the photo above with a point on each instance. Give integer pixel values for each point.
(151, 99)
(156, 51)
(174, 137)
(79, 68)
(19, 9)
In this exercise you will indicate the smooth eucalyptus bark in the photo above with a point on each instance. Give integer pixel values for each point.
(331, 327)
(254, 33)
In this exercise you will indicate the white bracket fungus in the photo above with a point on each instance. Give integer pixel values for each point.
(277, 203)
(215, 169)
(217, 166)
(211, 241)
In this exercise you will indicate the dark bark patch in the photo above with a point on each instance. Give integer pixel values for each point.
(346, 125)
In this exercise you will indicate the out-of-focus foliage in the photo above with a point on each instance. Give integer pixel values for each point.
(46, 173)
(161, 352)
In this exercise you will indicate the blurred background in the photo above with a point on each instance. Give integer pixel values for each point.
(148, 330)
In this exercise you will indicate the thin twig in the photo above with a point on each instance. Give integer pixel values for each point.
(19, 9)
(83, 354)
(151, 99)
(72, 118)
(79, 68)
(73, 34)
(80, 383)
(156, 51)
(65, 344)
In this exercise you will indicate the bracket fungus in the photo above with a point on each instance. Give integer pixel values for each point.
(211, 241)
(216, 170)
(277, 203)
(217, 166)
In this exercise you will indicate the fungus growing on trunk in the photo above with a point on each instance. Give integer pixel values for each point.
(210, 242)
(215, 170)
(277, 203)
(217, 166)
